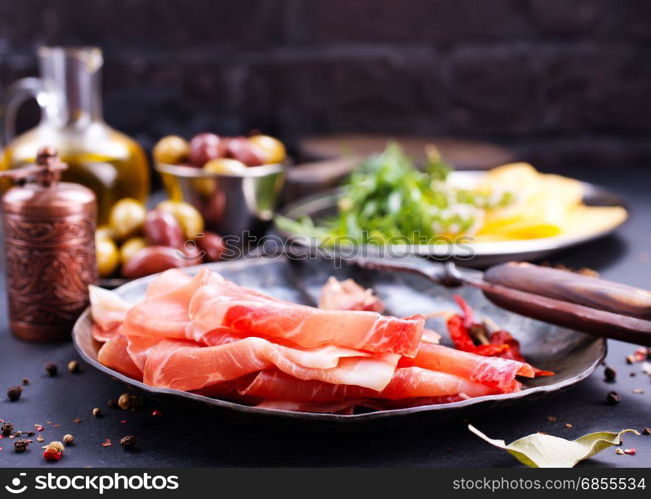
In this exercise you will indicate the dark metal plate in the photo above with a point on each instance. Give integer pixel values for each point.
(571, 355)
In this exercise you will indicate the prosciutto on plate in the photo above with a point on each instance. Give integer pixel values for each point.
(211, 336)
(309, 327)
(348, 295)
(406, 383)
(495, 372)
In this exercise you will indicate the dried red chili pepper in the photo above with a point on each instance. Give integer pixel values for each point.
(466, 311)
(491, 350)
(501, 343)
(459, 334)
(502, 337)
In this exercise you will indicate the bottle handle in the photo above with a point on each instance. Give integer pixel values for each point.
(17, 93)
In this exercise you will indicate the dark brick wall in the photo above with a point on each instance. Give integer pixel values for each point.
(560, 81)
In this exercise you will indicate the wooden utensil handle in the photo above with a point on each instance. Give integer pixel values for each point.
(574, 288)
(571, 315)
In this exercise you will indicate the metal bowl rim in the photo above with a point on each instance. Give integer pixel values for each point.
(184, 171)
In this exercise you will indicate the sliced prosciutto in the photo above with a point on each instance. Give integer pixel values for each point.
(185, 365)
(306, 326)
(213, 337)
(412, 382)
(166, 282)
(276, 385)
(406, 383)
(166, 315)
(348, 295)
(490, 371)
(103, 335)
(107, 308)
(114, 354)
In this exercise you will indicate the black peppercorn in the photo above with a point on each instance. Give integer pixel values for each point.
(25, 381)
(128, 402)
(613, 398)
(112, 404)
(14, 392)
(610, 374)
(51, 369)
(97, 412)
(7, 429)
(128, 441)
(646, 431)
(21, 445)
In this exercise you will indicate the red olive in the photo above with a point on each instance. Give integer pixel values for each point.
(204, 147)
(154, 259)
(191, 253)
(162, 229)
(245, 151)
(212, 245)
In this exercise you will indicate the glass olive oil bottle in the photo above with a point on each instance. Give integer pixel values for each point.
(113, 165)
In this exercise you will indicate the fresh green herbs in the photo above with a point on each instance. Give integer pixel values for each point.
(388, 200)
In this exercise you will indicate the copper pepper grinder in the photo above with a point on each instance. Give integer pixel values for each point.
(49, 229)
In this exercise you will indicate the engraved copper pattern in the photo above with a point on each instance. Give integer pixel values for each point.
(49, 264)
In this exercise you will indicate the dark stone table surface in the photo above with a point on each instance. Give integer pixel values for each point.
(189, 436)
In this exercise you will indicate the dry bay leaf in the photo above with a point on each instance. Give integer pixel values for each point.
(546, 451)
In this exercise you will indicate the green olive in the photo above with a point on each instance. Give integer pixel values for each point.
(103, 232)
(225, 166)
(130, 247)
(107, 256)
(186, 215)
(272, 148)
(127, 218)
(172, 150)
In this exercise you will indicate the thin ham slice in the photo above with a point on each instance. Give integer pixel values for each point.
(185, 365)
(211, 336)
(114, 354)
(227, 390)
(490, 371)
(308, 327)
(406, 383)
(166, 315)
(348, 295)
(276, 385)
(103, 335)
(107, 308)
(167, 281)
(413, 382)
(138, 348)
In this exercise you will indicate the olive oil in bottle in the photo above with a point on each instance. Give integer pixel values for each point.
(110, 163)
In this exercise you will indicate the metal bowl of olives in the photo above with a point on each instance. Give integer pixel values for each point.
(234, 182)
